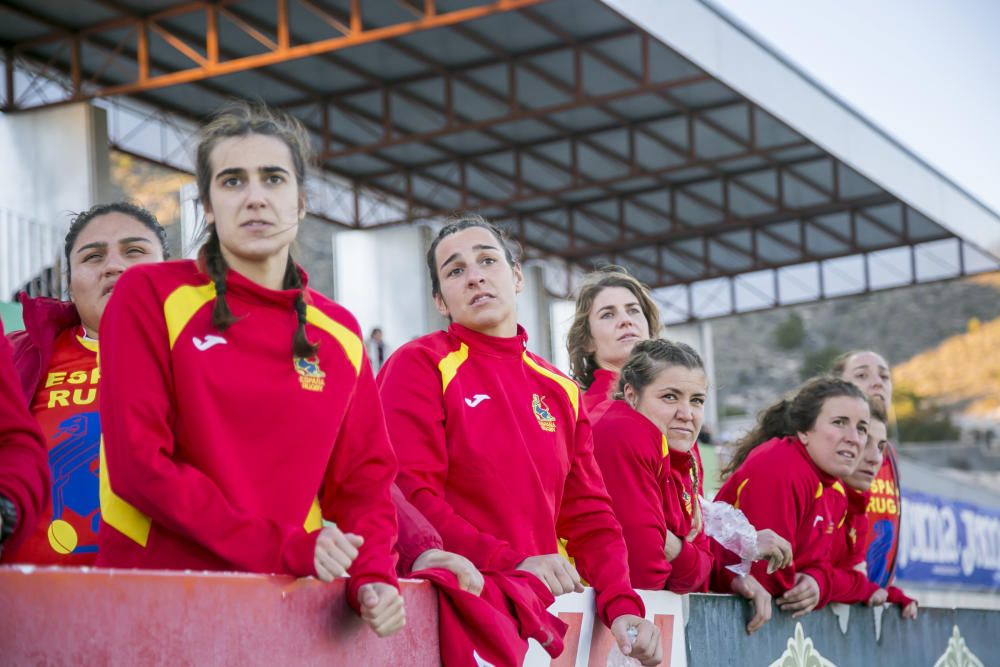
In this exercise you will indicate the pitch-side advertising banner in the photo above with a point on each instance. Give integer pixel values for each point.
(588, 641)
(945, 541)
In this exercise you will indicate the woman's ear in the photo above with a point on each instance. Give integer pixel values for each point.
(804, 437)
(631, 396)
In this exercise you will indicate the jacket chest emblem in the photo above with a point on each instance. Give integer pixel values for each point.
(310, 376)
(545, 419)
(688, 508)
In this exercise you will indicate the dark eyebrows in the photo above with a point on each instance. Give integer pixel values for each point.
(102, 245)
(454, 255)
(230, 171)
(675, 390)
(448, 261)
(96, 245)
(239, 171)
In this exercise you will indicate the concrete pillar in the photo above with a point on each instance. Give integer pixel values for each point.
(55, 164)
(533, 312)
(380, 276)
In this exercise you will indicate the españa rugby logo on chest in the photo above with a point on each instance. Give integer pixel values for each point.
(310, 376)
(545, 419)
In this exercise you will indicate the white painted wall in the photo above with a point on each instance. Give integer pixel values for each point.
(380, 277)
(55, 163)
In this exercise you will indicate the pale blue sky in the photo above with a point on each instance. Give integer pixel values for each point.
(925, 71)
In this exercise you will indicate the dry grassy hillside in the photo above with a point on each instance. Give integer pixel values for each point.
(963, 371)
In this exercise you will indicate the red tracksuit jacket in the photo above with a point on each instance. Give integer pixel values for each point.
(647, 487)
(496, 452)
(24, 466)
(597, 399)
(221, 450)
(849, 584)
(779, 487)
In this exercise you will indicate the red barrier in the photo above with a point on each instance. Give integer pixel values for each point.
(64, 616)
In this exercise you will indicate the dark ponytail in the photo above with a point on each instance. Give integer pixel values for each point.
(789, 417)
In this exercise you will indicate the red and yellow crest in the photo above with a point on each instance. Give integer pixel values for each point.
(310, 376)
(545, 419)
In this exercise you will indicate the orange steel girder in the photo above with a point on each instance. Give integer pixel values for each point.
(207, 60)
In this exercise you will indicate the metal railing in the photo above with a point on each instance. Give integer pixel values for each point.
(30, 257)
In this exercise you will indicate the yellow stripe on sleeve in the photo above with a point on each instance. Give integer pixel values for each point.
(449, 366)
(819, 490)
(314, 520)
(181, 306)
(353, 347)
(739, 490)
(118, 513)
(570, 387)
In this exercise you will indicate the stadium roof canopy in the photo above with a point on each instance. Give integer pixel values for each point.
(657, 135)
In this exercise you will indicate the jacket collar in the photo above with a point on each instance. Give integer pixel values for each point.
(494, 346)
(44, 317)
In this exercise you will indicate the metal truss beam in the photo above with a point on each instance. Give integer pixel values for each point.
(205, 55)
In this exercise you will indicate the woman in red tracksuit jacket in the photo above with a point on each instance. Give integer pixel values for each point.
(56, 360)
(237, 405)
(494, 447)
(850, 577)
(870, 371)
(644, 445)
(785, 475)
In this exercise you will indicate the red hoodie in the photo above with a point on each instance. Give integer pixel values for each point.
(647, 491)
(851, 585)
(496, 453)
(223, 451)
(779, 487)
(597, 399)
(24, 469)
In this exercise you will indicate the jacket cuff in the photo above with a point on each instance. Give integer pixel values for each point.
(409, 554)
(823, 581)
(686, 559)
(299, 556)
(354, 585)
(622, 605)
(504, 559)
(897, 596)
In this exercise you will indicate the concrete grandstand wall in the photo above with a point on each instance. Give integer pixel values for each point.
(61, 616)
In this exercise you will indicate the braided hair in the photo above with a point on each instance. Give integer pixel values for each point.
(239, 119)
